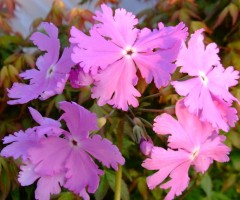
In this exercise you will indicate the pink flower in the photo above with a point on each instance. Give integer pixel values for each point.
(207, 91)
(146, 146)
(115, 48)
(190, 142)
(57, 157)
(52, 73)
(78, 78)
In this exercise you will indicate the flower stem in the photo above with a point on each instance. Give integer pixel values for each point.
(117, 195)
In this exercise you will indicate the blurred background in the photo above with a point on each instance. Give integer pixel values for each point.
(20, 18)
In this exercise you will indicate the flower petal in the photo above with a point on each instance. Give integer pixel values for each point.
(50, 157)
(112, 26)
(179, 138)
(164, 38)
(50, 42)
(93, 51)
(166, 162)
(22, 93)
(196, 58)
(27, 175)
(115, 85)
(155, 66)
(104, 151)
(21, 142)
(79, 120)
(81, 173)
(179, 180)
(48, 185)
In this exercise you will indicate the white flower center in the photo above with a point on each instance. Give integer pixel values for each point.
(203, 78)
(50, 71)
(129, 52)
(194, 153)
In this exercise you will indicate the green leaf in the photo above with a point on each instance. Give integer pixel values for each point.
(102, 189)
(66, 196)
(219, 196)
(234, 138)
(112, 182)
(142, 187)
(235, 159)
(206, 184)
(15, 194)
(229, 182)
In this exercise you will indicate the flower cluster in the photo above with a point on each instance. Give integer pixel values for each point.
(109, 59)
(56, 157)
(207, 95)
(194, 139)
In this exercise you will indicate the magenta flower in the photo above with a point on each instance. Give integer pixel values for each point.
(207, 95)
(57, 157)
(115, 48)
(78, 78)
(52, 73)
(190, 142)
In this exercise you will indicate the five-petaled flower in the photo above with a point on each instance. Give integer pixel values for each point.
(114, 50)
(190, 142)
(206, 94)
(62, 158)
(52, 73)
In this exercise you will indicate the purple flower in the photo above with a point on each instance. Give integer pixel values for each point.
(52, 73)
(190, 142)
(57, 157)
(115, 49)
(206, 94)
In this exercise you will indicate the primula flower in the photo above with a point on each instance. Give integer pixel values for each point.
(115, 48)
(207, 95)
(52, 73)
(61, 158)
(190, 142)
(78, 78)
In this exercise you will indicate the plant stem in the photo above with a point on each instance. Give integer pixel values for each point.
(150, 96)
(117, 195)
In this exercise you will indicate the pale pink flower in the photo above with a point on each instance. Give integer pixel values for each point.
(190, 142)
(208, 90)
(115, 50)
(52, 73)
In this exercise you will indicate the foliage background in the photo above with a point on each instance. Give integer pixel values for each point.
(221, 21)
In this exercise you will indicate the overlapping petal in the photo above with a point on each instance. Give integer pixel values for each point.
(117, 90)
(93, 51)
(19, 143)
(49, 158)
(210, 84)
(79, 120)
